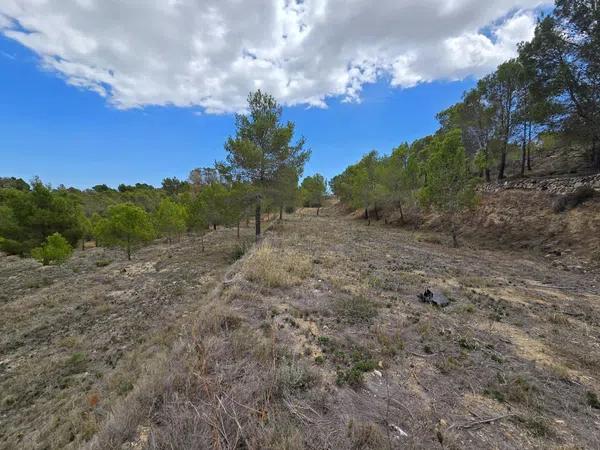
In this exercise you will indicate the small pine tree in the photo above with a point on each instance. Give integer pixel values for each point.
(170, 218)
(314, 190)
(450, 185)
(55, 250)
(127, 226)
(213, 198)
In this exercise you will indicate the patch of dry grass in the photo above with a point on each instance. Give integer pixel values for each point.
(77, 359)
(277, 267)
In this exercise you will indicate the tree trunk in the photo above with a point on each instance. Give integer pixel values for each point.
(257, 219)
(488, 178)
(366, 213)
(595, 154)
(524, 150)
(376, 214)
(318, 209)
(202, 240)
(128, 249)
(502, 165)
(281, 212)
(238, 229)
(529, 147)
(454, 237)
(215, 226)
(82, 244)
(401, 213)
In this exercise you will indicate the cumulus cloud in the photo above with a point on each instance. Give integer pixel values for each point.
(211, 53)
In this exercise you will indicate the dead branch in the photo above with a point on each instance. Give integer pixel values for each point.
(478, 422)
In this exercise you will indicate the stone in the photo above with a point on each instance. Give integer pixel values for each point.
(436, 299)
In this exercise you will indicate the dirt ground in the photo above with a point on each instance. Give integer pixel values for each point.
(518, 346)
(74, 339)
(315, 339)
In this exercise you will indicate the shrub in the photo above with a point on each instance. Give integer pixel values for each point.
(76, 363)
(360, 362)
(11, 247)
(275, 267)
(355, 309)
(55, 250)
(294, 376)
(592, 399)
(574, 199)
(238, 251)
(103, 262)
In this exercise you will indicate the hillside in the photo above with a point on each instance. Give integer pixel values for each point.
(314, 339)
(75, 339)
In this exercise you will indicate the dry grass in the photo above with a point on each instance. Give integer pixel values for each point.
(277, 267)
(77, 341)
(338, 352)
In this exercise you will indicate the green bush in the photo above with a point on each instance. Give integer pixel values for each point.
(10, 246)
(355, 309)
(239, 251)
(55, 250)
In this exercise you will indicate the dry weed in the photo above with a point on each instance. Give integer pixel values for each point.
(277, 267)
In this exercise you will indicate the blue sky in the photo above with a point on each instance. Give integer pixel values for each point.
(124, 92)
(72, 136)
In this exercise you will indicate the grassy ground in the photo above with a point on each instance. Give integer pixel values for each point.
(75, 339)
(330, 348)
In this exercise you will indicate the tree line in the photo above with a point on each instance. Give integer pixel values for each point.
(551, 88)
(260, 175)
(434, 171)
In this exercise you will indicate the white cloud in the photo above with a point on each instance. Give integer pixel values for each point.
(211, 53)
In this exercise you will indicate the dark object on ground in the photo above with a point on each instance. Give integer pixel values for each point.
(434, 298)
(573, 200)
(592, 400)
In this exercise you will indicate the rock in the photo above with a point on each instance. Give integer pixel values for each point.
(436, 299)
(398, 430)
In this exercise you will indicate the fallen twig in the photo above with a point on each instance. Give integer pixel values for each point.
(419, 355)
(478, 422)
(403, 406)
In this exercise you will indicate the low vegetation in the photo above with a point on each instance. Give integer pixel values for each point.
(330, 359)
(144, 317)
(277, 267)
(55, 250)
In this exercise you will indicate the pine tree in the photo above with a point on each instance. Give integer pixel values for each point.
(262, 148)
